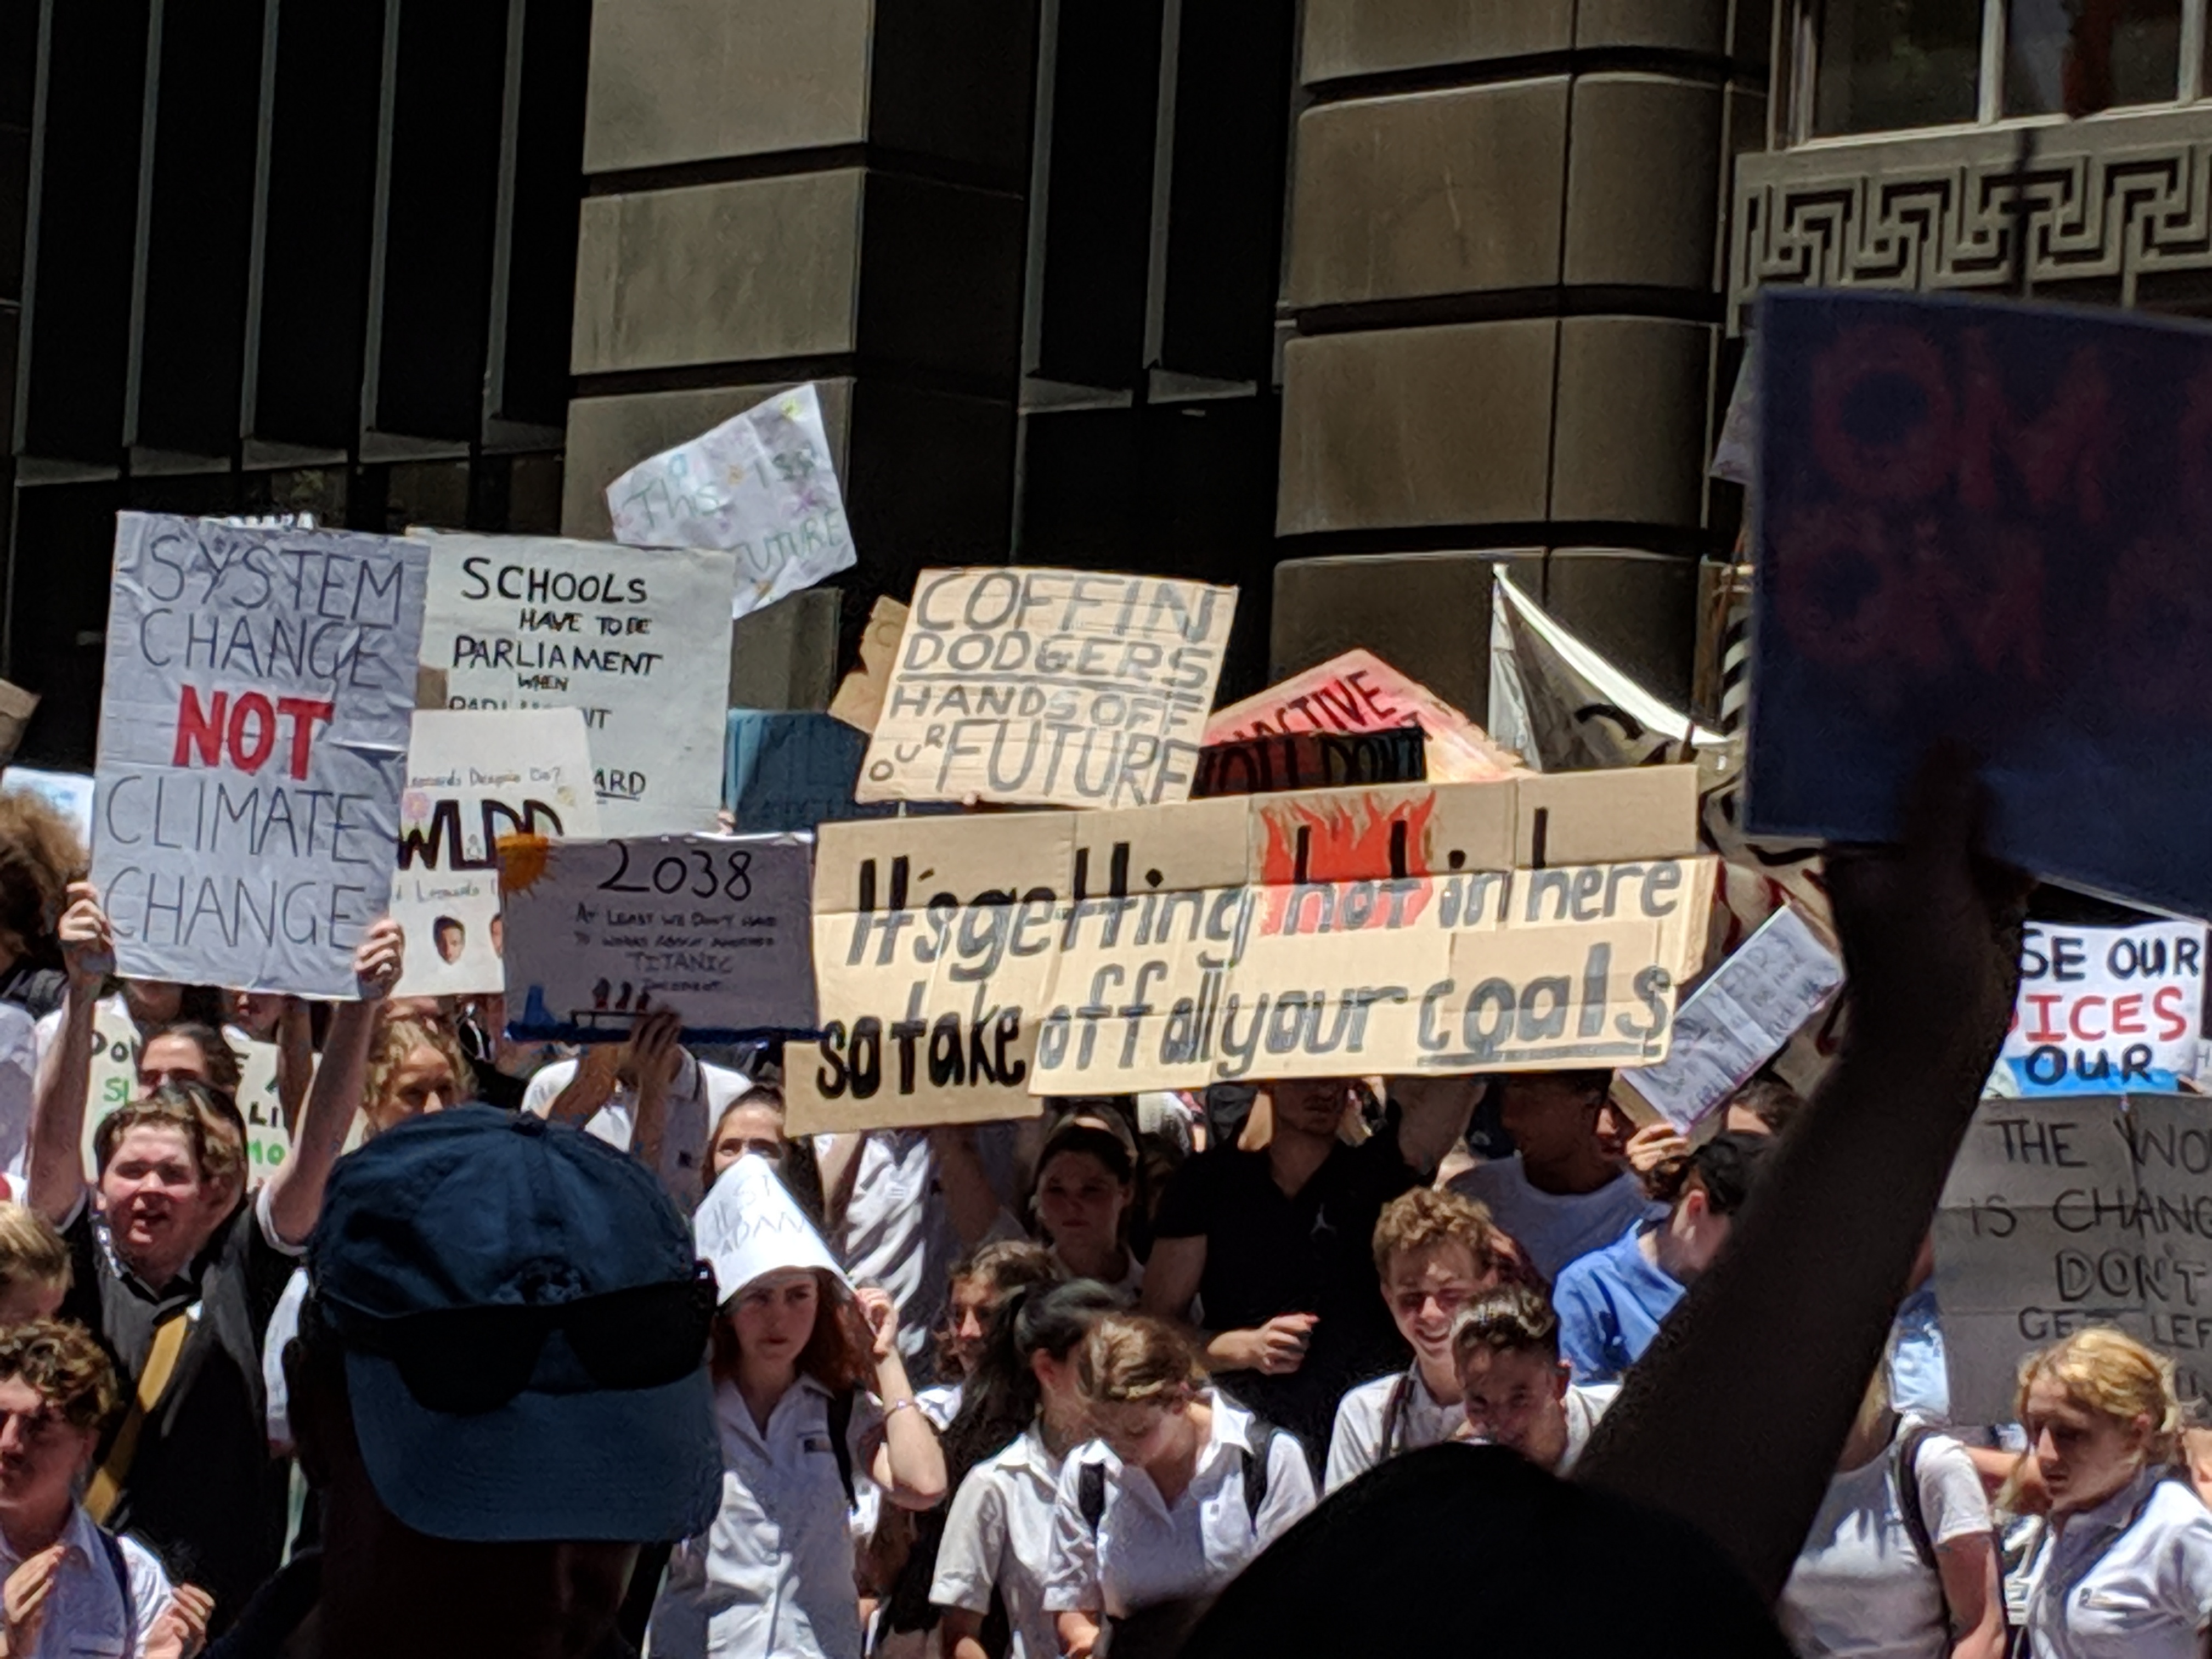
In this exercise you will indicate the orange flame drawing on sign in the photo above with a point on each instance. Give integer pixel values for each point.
(1348, 843)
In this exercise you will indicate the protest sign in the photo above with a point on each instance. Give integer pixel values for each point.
(1309, 760)
(1067, 688)
(2061, 1215)
(636, 637)
(966, 963)
(2103, 1009)
(1734, 1022)
(473, 776)
(762, 484)
(252, 742)
(1360, 692)
(114, 1082)
(600, 933)
(860, 699)
(1985, 523)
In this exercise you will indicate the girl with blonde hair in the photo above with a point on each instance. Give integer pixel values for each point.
(2124, 1563)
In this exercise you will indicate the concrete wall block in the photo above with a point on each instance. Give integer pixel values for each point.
(692, 79)
(941, 282)
(607, 436)
(1425, 614)
(717, 273)
(1442, 425)
(786, 656)
(1371, 36)
(1643, 181)
(1699, 26)
(1629, 445)
(1432, 192)
(1639, 610)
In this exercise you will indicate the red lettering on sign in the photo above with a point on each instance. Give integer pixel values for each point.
(199, 728)
(2127, 1015)
(2082, 1005)
(2173, 1022)
(304, 714)
(2045, 1031)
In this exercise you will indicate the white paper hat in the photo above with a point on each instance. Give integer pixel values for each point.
(749, 1224)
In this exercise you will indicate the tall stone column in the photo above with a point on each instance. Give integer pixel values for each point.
(1505, 279)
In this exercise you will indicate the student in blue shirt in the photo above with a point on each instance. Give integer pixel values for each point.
(1612, 1302)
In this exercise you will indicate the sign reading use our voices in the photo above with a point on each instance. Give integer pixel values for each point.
(1062, 688)
(2106, 1008)
(636, 637)
(1524, 923)
(252, 740)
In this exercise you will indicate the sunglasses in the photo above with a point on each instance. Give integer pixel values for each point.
(463, 1362)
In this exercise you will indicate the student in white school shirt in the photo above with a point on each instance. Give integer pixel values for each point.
(1901, 1559)
(71, 1589)
(1435, 1253)
(2124, 1565)
(1181, 1490)
(1514, 1387)
(773, 1575)
(649, 1096)
(1025, 1412)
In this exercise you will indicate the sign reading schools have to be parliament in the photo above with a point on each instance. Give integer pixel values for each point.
(252, 745)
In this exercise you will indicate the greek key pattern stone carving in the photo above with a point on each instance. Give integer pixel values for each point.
(1957, 211)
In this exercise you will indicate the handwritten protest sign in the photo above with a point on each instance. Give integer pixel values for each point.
(114, 1082)
(1988, 523)
(1066, 687)
(253, 741)
(2103, 1009)
(472, 777)
(1525, 923)
(638, 638)
(762, 484)
(1734, 1022)
(600, 933)
(1360, 692)
(2060, 1214)
(1309, 760)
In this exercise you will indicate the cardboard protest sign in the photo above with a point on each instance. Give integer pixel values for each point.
(2061, 1215)
(252, 742)
(1068, 688)
(1309, 760)
(2103, 1009)
(1360, 692)
(636, 637)
(1735, 1021)
(473, 776)
(114, 1082)
(1988, 524)
(966, 963)
(600, 933)
(860, 699)
(762, 484)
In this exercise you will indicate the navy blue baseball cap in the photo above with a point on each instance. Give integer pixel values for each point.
(524, 1320)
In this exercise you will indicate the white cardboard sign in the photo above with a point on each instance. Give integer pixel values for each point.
(2102, 1009)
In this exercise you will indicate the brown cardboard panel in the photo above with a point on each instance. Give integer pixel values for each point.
(860, 699)
(1601, 817)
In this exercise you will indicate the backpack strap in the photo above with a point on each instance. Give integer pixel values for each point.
(1091, 1494)
(1905, 1453)
(1255, 1469)
(1393, 1413)
(112, 1547)
(841, 1444)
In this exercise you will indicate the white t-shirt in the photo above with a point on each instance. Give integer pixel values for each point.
(283, 1325)
(998, 1535)
(774, 1573)
(1144, 1552)
(1126, 1287)
(1859, 1587)
(1355, 1446)
(2096, 1591)
(86, 1616)
(940, 1404)
(696, 1099)
(1553, 1230)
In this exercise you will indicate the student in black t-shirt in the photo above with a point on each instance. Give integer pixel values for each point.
(1276, 1245)
(179, 1277)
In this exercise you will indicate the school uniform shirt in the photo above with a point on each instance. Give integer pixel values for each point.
(2130, 1578)
(1126, 1287)
(87, 1615)
(1143, 1552)
(1585, 1406)
(1355, 1445)
(1611, 1303)
(283, 1325)
(1860, 1587)
(940, 1404)
(696, 1099)
(1554, 1228)
(998, 1535)
(773, 1574)
(1919, 1379)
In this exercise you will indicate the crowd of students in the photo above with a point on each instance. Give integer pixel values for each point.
(512, 1355)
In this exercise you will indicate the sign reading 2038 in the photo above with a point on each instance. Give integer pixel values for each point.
(695, 870)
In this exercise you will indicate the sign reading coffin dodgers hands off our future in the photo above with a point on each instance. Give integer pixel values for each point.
(1528, 923)
(253, 743)
(1062, 688)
